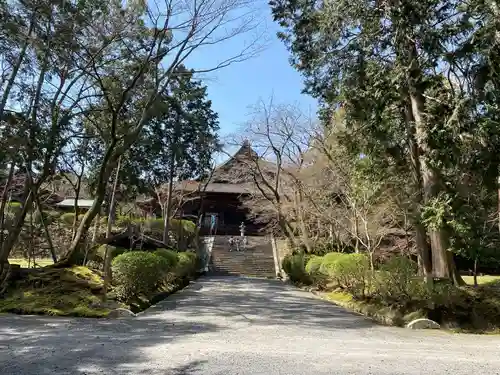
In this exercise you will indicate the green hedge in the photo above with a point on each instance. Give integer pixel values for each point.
(186, 264)
(100, 252)
(169, 255)
(397, 280)
(138, 272)
(328, 265)
(353, 273)
(68, 218)
(156, 225)
(295, 267)
(313, 269)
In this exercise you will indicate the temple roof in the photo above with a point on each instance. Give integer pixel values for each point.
(239, 168)
(235, 176)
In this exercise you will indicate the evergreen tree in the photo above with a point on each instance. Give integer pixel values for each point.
(406, 75)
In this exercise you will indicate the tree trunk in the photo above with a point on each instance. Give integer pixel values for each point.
(302, 224)
(96, 229)
(75, 207)
(3, 202)
(111, 219)
(498, 202)
(16, 229)
(45, 228)
(112, 202)
(71, 256)
(171, 174)
(168, 210)
(423, 248)
(11, 239)
(442, 260)
(31, 255)
(424, 251)
(475, 272)
(356, 232)
(371, 254)
(285, 227)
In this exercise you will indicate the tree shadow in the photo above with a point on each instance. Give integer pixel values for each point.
(51, 345)
(258, 301)
(188, 369)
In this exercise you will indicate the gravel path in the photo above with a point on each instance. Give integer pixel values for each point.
(235, 326)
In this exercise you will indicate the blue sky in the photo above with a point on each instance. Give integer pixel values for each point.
(233, 89)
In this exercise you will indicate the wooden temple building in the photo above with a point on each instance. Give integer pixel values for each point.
(223, 195)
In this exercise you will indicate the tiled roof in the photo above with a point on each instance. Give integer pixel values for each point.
(70, 202)
(192, 186)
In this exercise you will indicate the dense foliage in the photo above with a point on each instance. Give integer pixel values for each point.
(412, 87)
(98, 95)
(394, 291)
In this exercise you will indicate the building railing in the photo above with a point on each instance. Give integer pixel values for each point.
(205, 252)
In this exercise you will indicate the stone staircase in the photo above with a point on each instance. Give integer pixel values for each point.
(256, 259)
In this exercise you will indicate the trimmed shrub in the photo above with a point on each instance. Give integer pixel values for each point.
(67, 218)
(100, 252)
(397, 281)
(169, 255)
(352, 272)
(187, 226)
(313, 267)
(186, 264)
(328, 265)
(181, 230)
(152, 225)
(295, 267)
(137, 272)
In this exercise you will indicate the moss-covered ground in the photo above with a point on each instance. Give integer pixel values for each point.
(74, 291)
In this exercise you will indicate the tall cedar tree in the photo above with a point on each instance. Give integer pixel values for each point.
(404, 73)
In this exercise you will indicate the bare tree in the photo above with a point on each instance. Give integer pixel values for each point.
(278, 134)
(180, 29)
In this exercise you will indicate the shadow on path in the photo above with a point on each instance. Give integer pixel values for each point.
(257, 301)
(45, 345)
(141, 345)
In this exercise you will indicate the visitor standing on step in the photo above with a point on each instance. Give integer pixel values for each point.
(231, 243)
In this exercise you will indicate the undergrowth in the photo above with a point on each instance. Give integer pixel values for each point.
(393, 294)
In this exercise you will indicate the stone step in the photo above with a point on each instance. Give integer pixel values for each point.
(256, 259)
(246, 264)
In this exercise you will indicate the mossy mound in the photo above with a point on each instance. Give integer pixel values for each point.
(74, 291)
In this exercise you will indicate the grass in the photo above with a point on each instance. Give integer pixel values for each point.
(382, 314)
(74, 291)
(42, 262)
(481, 280)
(459, 309)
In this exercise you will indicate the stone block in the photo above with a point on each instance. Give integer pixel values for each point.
(423, 324)
(121, 313)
